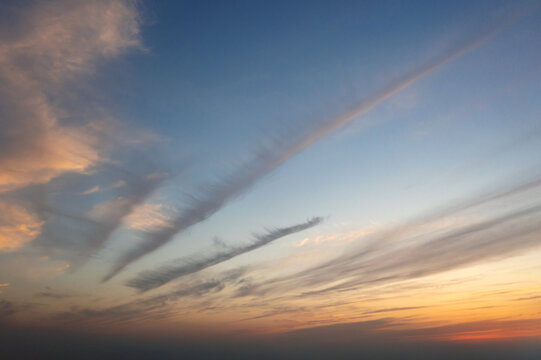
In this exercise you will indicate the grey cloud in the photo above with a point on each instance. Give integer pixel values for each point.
(279, 311)
(81, 234)
(150, 279)
(198, 288)
(141, 189)
(111, 315)
(390, 329)
(8, 308)
(50, 293)
(157, 306)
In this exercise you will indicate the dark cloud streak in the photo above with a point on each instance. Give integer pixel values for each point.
(151, 279)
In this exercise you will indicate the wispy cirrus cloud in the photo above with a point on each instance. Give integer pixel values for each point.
(150, 279)
(153, 307)
(417, 249)
(271, 157)
(49, 293)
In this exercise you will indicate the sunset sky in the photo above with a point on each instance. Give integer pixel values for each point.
(335, 173)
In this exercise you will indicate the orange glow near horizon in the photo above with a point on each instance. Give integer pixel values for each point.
(494, 335)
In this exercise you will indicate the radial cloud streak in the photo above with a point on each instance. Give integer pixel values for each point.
(269, 159)
(151, 279)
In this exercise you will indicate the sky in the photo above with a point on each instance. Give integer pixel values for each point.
(311, 178)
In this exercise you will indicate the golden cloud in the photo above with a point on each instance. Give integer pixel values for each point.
(59, 43)
(17, 227)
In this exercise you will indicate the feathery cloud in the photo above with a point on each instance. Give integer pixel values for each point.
(418, 249)
(150, 279)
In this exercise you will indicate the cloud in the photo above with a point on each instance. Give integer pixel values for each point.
(196, 288)
(17, 226)
(394, 309)
(92, 190)
(45, 129)
(418, 249)
(266, 159)
(28, 267)
(89, 232)
(280, 310)
(129, 209)
(111, 315)
(52, 294)
(8, 308)
(154, 307)
(390, 330)
(56, 44)
(151, 279)
(3, 285)
(147, 217)
(340, 237)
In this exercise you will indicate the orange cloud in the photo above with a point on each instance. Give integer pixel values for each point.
(3, 285)
(489, 330)
(145, 217)
(59, 42)
(110, 211)
(149, 217)
(17, 227)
